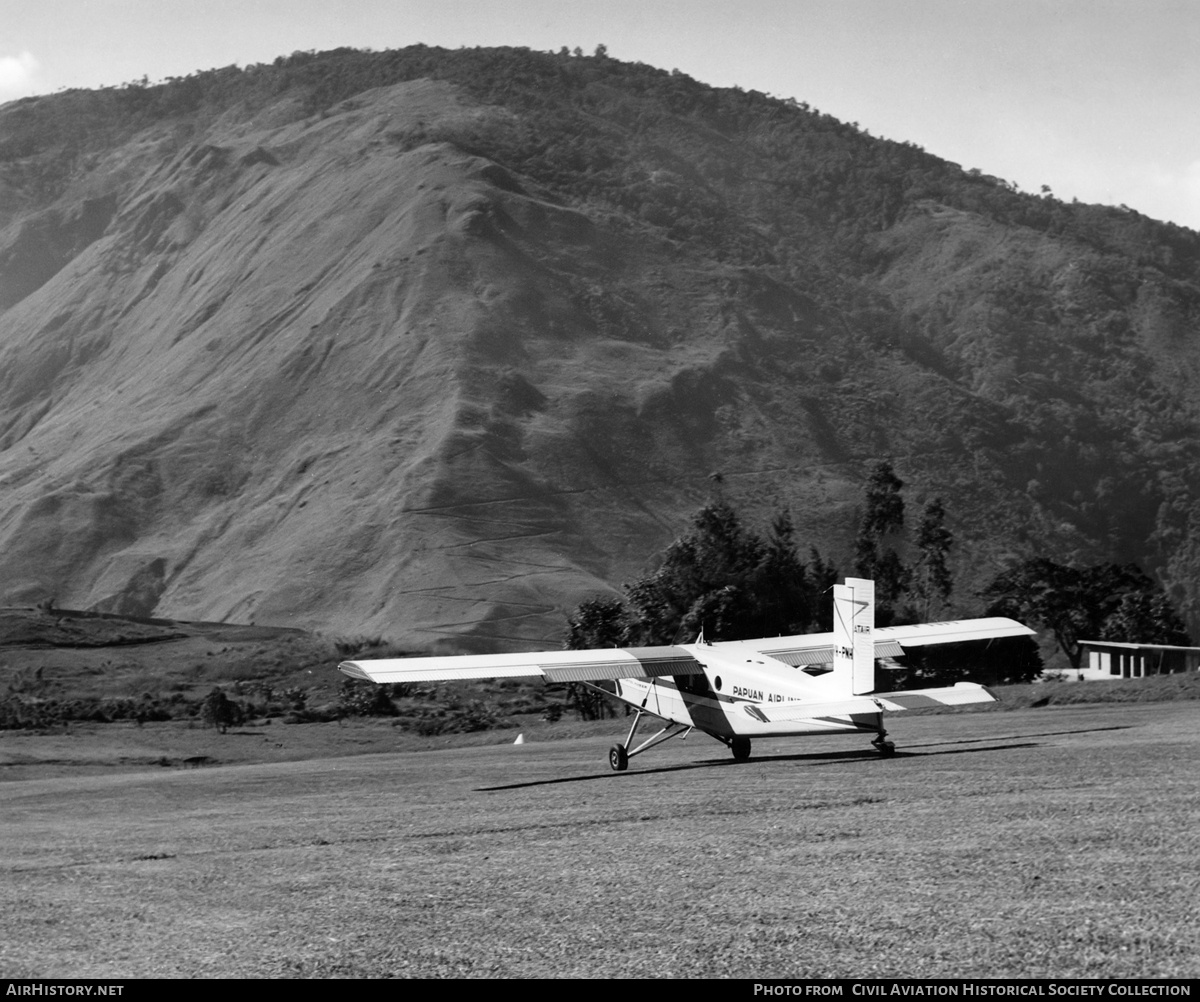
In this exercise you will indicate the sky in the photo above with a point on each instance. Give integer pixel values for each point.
(1097, 99)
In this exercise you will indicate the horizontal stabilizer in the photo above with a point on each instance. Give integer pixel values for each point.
(553, 666)
(840, 708)
(954, 695)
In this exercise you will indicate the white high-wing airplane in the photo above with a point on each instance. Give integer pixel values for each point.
(738, 690)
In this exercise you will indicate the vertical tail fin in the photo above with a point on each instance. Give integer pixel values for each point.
(854, 635)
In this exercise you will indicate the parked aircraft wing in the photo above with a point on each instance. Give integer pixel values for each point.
(553, 666)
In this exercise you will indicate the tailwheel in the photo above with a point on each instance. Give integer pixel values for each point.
(618, 758)
(740, 748)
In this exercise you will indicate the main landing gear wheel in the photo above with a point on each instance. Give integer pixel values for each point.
(619, 755)
(618, 758)
(740, 748)
(885, 747)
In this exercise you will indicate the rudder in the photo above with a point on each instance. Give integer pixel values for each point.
(854, 634)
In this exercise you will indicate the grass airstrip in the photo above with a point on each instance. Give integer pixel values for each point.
(1052, 841)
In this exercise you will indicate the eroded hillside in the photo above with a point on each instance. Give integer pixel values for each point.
(420, 360)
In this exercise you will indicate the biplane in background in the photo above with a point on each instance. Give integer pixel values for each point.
(741, 690)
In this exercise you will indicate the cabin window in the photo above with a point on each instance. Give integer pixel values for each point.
(697, 685)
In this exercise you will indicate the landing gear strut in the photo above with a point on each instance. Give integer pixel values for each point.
(619, 755)
(885, 747)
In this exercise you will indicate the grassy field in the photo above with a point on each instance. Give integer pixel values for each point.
(1055, 841)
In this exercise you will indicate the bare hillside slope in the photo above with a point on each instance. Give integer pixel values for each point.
(310, 374)
(433, 345)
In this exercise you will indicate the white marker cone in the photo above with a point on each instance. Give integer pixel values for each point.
(520, 739)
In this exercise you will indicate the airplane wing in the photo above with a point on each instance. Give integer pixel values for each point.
(890, 641)
(959, 631)
(553, 666)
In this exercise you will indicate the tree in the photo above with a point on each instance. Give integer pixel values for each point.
(596, 623)
(879, 532)
(785, 590)
(1145, 617)
(1002, 661)
(1103, 602)
(822, 576)
(720, 579)
(588, 703)
(219, 711)
(700, 585)
(931, 580)
(725, 581)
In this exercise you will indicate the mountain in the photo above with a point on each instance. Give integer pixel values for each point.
(435, 344)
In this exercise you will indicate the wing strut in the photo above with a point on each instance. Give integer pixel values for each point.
(619, 755)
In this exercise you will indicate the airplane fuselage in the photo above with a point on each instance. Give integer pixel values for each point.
(738, 688)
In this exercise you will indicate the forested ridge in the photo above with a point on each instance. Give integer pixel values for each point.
(1030, 360)
(594, 126)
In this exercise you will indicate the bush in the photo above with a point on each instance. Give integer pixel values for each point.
(460, 718)
(365, 699)
(18, 713)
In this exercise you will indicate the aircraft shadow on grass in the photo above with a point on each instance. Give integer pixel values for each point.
(1007, 743)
